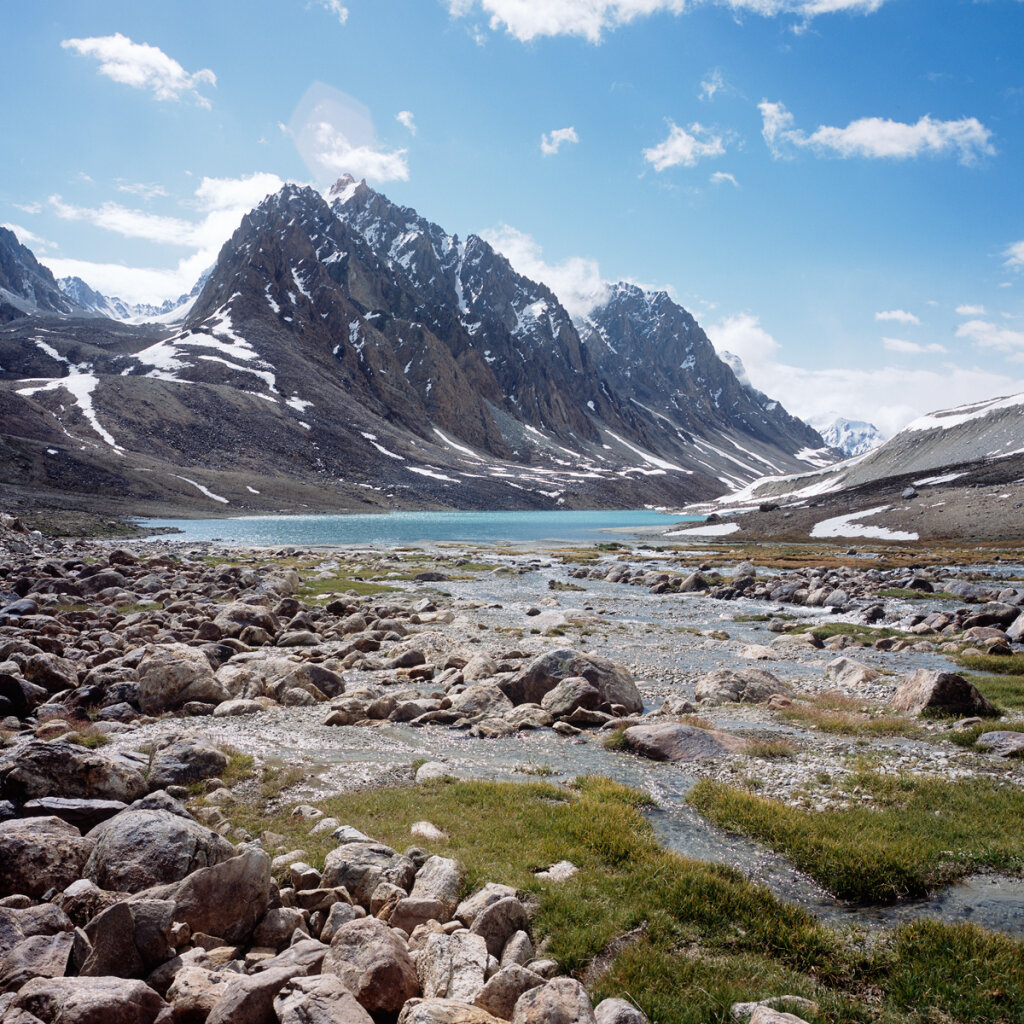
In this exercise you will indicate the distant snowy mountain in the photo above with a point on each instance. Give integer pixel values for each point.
(91, 301)
(853, 437)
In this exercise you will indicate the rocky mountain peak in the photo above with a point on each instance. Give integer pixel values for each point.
(26, 286)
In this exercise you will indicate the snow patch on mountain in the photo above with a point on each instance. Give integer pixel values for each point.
(852, 437)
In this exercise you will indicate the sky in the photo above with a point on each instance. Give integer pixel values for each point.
(834, 188)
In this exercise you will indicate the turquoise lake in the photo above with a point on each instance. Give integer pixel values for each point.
(394, 528)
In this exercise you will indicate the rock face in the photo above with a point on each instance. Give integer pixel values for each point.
(138, 849)
(672, 741)
(613, 682)
(926, 690)
(37, 854)
(66, 770)
(373, 964)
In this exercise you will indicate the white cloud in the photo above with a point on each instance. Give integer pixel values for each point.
(876, 137)
(143, 67)
(888, 396)
(551, 142)
(684, 147)
(528, 19)
(141, 189)
(713, 82)
(221, 204)
(721, 177)
(985, 334)
(335, 135)
(1015, 256)
(911, 347)
(576, 281)
(30, 207)
(336, 8)
(406, 119)
(900, 316)
(970, 310)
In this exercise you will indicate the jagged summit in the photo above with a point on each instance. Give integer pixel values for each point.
(26, 286)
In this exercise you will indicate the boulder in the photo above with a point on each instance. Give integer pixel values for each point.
(571, 693)
(89, 1001)
(233, 618)
(672, 741)
(481, 699)
(360, 867)
(480, 666)
(518, 950)
(439, 879)
(319, 1000)
(373, 963)
(471, 907)
(1003, 742)
(249, 999)
(613, 682)
(182, 762)
(498, 922)
(237, 706)
(847, 672)
(445, 1011)
(129, 939)
(194, 993)
(452, 966)
(501, 993)
(227, 899)
(618, 1011)
(38, 769)
(561, 1001)
(37, 854)
(83, 814)
(276, 928)
(174, 674)
(767, 1015)
(38, 956)
(928, 689)
(743, 685)
(138, 849)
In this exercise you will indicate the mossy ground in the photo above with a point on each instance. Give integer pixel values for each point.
(705, 936)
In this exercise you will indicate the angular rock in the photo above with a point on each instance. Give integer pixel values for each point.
(613, 681)
(439, 879)
(360, 867)
(90, 1001)
(276, 928)
(194, 993)
(481, 699)
(452, 966)
(374, 964)
(847, 672)
(672, 741)
(130, 939)
(37, 854)
(38, 956)
(82, 814)
(569, 694)
(471, 907)
(744, 685)
(39, 769)
(927, 689)
(445, 1011)
(561, 1001)
(184, 762)
(249, 999)
(174, 674)
(618, 1011)
(498, 922)
(501, 993)
(1003, 742)
(319, 1000)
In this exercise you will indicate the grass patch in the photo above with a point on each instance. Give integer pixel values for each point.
(906, 594)
(315, 590)
(865, 634)
(705, 937)
(845, 716)
(771, 749)
(993, 664)
(967, 737)
(1006, 691)
(922, 833)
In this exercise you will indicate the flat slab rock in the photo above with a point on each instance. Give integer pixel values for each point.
(1002, 742)
(673, 741)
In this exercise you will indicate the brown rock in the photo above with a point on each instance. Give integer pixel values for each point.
(373, 963)
(941, 691)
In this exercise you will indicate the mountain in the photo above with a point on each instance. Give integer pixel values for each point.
(851, 437)
(344, 352)
(26, 286)
(112, 308)
(984, 439)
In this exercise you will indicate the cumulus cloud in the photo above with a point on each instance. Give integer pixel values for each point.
(986, 334)
(911, 347)
(336, 8)
(576, 281)
(888, 396)
(220, 203)
(407, 120)
(335, 135)
(876, 137)
(723, 177)
(141, 189)
(900, 316)
(143, 67)
(551, 142)
(1015, 256)
(970, 310)
(684, 147)
(528, 19)
(713, 82)
(28, 238)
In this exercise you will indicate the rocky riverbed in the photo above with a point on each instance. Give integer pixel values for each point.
(129, 674)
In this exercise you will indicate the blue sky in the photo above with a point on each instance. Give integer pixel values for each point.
(833, 187)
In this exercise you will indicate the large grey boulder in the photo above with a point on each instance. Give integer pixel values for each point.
(37, 854)
(38, 956)
(1003, 742)
(743, 685)
(502, 991)
(847, 672)
(373, 964)
(672, 741)
(571, 693)
(445, 1011)
(613, 682)
(195, 991)
(439, 879)
(182, 762)
(929, 690)
(40, 769)
(233, 618)
(89, 1001)
(561, 1001)
(618, 1011)
(227, 899)
(497, 923)
(361, 867)
(174, 674)
(319, 1000)
(471, 907)
(129, 939)
(137, 849)
(249, 999)
(481, 699)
